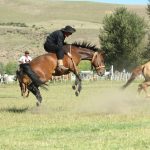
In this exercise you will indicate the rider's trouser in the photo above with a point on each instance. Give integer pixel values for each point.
(54, 49)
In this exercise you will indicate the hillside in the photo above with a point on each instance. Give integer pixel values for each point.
(40, 17)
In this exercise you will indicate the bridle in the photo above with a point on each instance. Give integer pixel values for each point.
(100, 66)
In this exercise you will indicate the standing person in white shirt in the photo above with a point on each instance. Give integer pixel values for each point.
(26, 58)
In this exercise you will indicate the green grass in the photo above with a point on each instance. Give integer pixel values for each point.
(102, 117)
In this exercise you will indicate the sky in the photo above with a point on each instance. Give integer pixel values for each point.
(139, 2)
(145, 2)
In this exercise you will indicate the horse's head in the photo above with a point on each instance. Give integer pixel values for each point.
(88, 51)
(98, 62)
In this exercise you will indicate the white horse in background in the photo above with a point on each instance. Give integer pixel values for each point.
(6, 79)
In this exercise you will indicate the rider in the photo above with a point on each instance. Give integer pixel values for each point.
(26, 58)
(55, 41)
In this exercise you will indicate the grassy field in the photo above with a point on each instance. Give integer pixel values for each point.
(102, 118)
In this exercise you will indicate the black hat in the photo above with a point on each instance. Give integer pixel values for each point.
(69, 29)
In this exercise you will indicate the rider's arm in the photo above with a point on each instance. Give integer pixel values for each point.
(21, 60)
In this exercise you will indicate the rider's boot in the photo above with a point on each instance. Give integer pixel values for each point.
(61, 67)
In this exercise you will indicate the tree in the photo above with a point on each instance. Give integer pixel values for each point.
(11, 68)
(147, 52)
(121, 38)
(2, 68)
(148, 8)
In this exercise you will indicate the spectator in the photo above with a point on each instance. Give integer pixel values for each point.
(25, 58)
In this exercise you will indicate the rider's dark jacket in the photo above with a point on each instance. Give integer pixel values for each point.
(54, 43)
(55, 38)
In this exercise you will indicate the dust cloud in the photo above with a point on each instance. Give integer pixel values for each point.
(113, 101)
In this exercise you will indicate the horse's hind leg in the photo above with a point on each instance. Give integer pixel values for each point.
(26, 91)
(21, 88)
(27, 95)
(36, 92)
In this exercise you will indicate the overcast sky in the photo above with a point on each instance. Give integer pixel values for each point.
(139, 2)
(124, 1)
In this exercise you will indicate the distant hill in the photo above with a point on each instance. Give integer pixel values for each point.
(25, 23)
(37, 11)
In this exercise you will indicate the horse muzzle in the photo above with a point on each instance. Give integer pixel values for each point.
(100, 70)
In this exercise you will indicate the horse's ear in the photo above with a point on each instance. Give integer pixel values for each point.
(102, 53)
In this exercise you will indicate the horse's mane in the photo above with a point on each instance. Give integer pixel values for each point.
(86, 45)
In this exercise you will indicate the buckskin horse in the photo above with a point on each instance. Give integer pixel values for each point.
(35, 74)
(145, 71)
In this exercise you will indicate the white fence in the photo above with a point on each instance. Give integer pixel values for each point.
(85, 75)
(92, 76)
(108, 75)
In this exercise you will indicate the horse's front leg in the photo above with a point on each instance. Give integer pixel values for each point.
(78, 84)
(74, 86)
(144, 87)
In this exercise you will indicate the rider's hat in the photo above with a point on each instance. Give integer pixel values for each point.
(26, 52)
(68, 29)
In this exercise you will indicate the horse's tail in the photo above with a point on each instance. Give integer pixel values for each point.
(32, 75)
(136, 72)
(19, 74)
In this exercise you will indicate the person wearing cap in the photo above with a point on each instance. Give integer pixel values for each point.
(55, 41)
(25, 58)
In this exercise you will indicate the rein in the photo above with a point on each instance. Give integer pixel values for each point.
(70, 49)
(74, 65)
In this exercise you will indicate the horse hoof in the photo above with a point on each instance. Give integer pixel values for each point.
(37, 104)
(39, 98)
(77, 93)
(73, 87)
